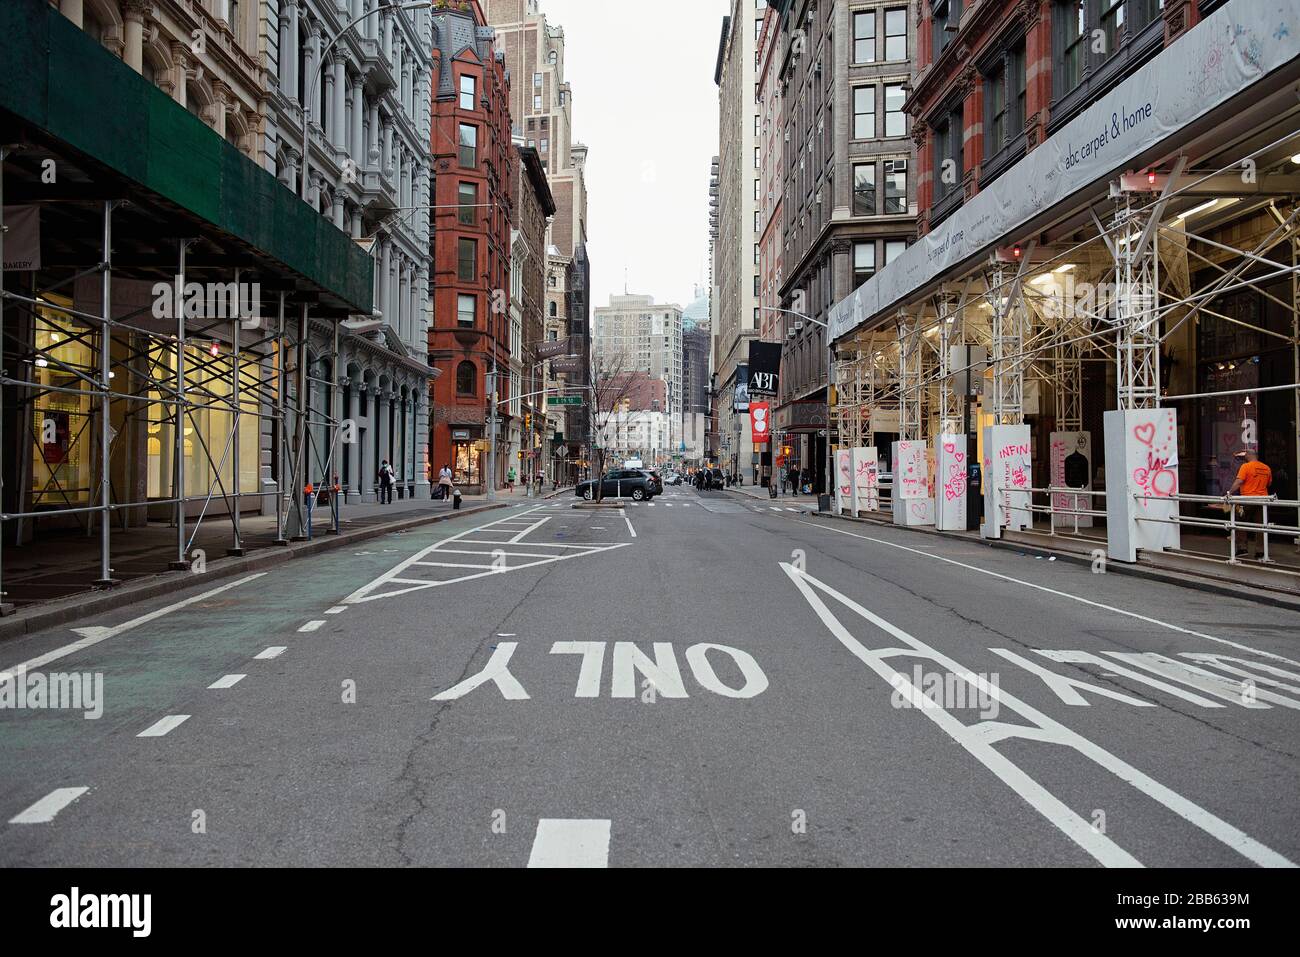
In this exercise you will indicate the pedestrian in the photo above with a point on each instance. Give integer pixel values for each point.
(510, 480)
(444, 483)
(1253, 481)
(386, 476)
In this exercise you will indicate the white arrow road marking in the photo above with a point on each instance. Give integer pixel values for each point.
(47, 808)
(382, 587)
(229, 681)
(980, 739)
(95, 634)
(561, 843)
(167, 725)
(1059, 594)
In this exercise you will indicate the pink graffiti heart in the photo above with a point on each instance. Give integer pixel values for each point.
(919, 510)
(960, 457)
(1146, 434)
(950, 448)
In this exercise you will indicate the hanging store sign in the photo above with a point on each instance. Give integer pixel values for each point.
(22, 240)
(551, 349)
(764, 368)
(1221, 57)
(760, 418)
(740, 401)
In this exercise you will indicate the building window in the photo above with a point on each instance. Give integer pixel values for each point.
(948, 154)
(895, 186)
(468, 98)
(896, 34)
(1072, 43)
(466, 379)
(466, 259)
(895, 118)
(864, 189)
(1113, 20)
(864, 37)
(946, 15)
(864, 262)
(864, 112)
(1005, 98)
(468, 146)
(466, 310)
(468, 213)
(893, 249)
(537, 104)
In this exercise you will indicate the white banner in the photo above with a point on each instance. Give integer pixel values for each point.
(1219, 58)
(22, 239)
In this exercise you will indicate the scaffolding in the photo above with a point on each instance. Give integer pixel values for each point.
(194, 373)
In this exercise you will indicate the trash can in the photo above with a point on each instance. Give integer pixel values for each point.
(823, 503)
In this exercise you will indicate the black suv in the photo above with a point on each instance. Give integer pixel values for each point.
(636, 484)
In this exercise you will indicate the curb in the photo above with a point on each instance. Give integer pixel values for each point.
(72, 608)
(1185, 580)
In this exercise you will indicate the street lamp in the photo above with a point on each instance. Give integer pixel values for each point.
(320, 68)
(830, 364)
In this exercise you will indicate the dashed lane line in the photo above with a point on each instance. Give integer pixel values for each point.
(164, 726)
(570, 844)
(229, 681)
(47, 808)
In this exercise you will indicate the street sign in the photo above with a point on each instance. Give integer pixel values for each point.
(564, 400)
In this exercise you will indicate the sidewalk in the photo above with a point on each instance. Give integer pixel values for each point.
(52, 581)
(1198, 565)
(761, 493)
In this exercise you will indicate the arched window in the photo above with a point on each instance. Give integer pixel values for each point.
(554, 311)
(466, 379)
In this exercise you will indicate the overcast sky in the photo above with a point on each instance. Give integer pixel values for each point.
(647, 108)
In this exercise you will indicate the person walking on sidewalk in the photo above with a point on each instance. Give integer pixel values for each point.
(444, 483)
(385, 483)
(510, 480)
(1253, 481)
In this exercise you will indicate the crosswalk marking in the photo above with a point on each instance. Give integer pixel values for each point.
(229, 681)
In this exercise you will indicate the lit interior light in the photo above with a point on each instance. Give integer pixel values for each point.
(41, 363)
(1068, 267)
(1296, 159)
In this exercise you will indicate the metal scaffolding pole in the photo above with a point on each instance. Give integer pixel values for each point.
(1138, 329)
(336, 416)
(105, 402)
(280, 429)
(302, 517)
(178, 464)
(237, 549)
(6, 608)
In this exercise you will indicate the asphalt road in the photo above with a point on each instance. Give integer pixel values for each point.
(709, 680)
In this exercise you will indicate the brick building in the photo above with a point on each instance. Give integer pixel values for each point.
(474, 159)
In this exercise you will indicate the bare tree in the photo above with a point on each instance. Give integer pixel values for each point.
(611, 384)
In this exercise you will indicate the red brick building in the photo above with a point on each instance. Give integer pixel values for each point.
(996, 78)
(473, 170)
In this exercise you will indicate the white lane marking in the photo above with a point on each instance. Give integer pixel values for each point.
(47, 808)
(94, 635)
(561, 843)
(371, 591)
(1059, 594)
(310, 627)
(448, 565)
(165, 726)
(629, 525)
(980, 739)
(774, 508)
(270, 653)
(229, 681)
(337, 610)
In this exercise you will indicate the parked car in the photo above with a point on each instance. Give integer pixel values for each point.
(636, 484)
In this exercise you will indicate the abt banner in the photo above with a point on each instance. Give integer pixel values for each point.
(764, 368)
(760, 418)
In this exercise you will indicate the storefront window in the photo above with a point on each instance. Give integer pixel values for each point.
(209, 449)
(62, 429)
(467, 459)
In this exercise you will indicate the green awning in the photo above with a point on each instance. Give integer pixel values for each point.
(64, 83)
